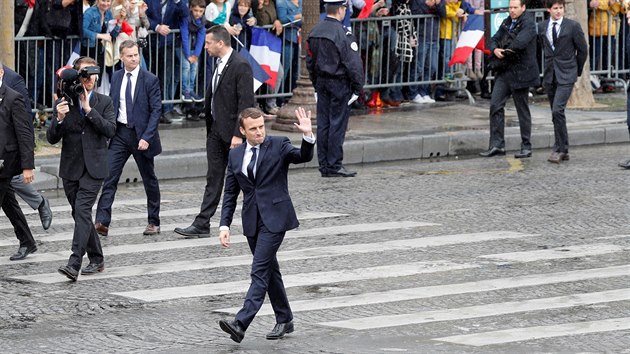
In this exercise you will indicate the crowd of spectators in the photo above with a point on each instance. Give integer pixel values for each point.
(410, 52)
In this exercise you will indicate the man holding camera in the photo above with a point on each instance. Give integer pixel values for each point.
(85, 121)
(17, 143)
(515, 44)
(136, 95)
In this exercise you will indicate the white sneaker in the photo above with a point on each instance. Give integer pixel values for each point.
(418, 99)
(428, 99)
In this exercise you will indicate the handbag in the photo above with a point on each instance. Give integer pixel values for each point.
(58, 20)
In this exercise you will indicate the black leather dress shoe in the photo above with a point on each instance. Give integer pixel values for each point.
(342, 172)
(45, 213)
(192, 231)
(233, 329)
(493, 151)
(69, 272)
(624, 164)
(22, 252)
(280, 329)
(93, 268)
(523, 153)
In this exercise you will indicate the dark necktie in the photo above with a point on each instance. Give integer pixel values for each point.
(216, 76)
(554, 34)
(129, 101)
(251, 165)
(512, 26)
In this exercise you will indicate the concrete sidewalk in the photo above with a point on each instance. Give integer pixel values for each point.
(410, 131)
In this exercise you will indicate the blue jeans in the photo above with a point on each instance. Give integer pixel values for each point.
(426, 67)
(189, 76)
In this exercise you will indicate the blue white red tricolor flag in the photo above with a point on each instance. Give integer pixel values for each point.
(259, 73)
(266, 48)
(470, 38)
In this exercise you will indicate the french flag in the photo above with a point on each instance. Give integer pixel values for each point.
(258, 72)
(470, 38)
(266, 48)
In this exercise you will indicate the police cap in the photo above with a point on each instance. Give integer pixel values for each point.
(336, 2)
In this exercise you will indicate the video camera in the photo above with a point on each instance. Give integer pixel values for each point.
(69, 84)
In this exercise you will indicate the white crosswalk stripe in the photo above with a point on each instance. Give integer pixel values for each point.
(381, 269)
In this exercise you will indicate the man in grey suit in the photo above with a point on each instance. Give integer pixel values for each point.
(565, 53)
(85, 123)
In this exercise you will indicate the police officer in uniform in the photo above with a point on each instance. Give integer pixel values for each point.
(336, 70)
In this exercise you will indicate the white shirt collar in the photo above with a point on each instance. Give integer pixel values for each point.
(134, 72)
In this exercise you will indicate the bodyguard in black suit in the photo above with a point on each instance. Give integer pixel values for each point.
(514, 44)
(136, 95)
(230, 91)
(85, 124)
(565, 51)
(259, 168)
(17, 145)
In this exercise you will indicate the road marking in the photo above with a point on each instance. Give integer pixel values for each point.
(294, 280)
(539, 332)
(612, 237)
(494, 309)
(177, 212)
(66, 207)
(214, 241)
(130, 230)
(300, 254)
(593, 249)
(444, 290)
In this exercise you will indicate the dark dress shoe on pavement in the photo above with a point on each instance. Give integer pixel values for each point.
(101, 229)
(22, 252)
(557, 157)
(69, 272)
(624, 164)
(523, 153)
(192, 231)
(342, 172)
(151, 230)
(280, 329)
(45, 213)
(233, 329)
(93, 268)
(493, 151)
(165, 120)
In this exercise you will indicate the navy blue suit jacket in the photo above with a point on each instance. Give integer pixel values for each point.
(173, 16)
(269, 195)
(147, 107)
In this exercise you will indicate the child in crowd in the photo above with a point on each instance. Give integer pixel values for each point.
(474, 63)
(193, 33)
(242, 20)
(218, 13)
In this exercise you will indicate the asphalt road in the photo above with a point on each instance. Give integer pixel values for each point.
(427, 256)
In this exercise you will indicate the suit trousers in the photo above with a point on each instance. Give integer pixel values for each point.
(13, 211)
(558, 95)
(217, 152)
(26, 191)
(266, 278)
(82, 195)
(500, 93)
(333, 113)
(122, 145)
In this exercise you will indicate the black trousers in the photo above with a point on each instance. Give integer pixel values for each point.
(217, 152)
(558, 97)
(266, 278)
(333, 113)
(82, 195)
(13, 211)
(500, 93)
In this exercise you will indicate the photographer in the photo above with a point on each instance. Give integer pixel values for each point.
(514, 42)
(85, 120)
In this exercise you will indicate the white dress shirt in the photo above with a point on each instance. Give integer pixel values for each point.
(122, 106)
(550, 30)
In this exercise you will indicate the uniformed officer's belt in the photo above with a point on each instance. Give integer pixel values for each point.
(333, 77)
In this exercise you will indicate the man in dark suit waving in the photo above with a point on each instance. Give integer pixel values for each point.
(136, 96)
(259, 168)
(565, 54)
(16, 156)
(230, 91)
(85, 123)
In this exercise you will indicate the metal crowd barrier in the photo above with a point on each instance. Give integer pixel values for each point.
(37, 59)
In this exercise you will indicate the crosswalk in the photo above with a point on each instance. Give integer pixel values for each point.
(458, 266)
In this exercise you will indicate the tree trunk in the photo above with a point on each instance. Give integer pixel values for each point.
(7, 40)
(582, 95)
